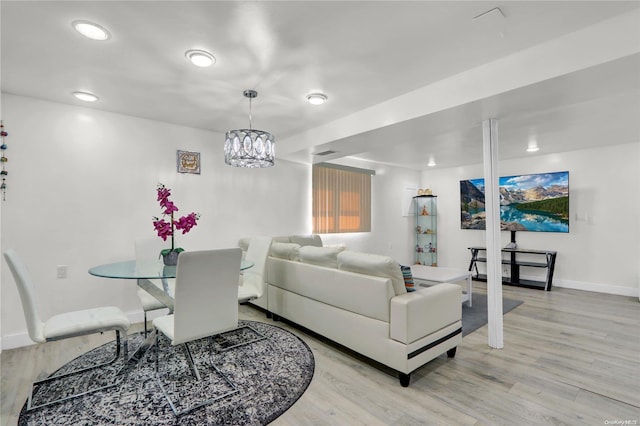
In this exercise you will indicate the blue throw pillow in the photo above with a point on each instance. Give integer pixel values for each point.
(408, 278)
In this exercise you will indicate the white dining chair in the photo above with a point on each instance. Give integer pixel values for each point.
(149, 249)
(205, 305)
(65, 325)
(252, 281)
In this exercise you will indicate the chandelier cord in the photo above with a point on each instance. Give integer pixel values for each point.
(250, 124)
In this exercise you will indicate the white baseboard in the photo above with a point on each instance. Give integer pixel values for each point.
(21, 339)
(18, 340)
(618, 290)
(598, 287)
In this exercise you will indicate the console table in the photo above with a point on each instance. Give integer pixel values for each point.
(515, 263)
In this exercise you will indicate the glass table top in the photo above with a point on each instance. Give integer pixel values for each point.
(142, 269)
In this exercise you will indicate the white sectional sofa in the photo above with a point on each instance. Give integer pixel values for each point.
(359, 301)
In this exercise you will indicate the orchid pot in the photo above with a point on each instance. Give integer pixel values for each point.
(170, 257)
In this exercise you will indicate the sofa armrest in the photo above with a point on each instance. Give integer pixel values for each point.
(419, 313)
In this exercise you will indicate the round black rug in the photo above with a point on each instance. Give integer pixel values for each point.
(269, 376)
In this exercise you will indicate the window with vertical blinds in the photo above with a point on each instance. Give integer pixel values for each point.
(341, 199)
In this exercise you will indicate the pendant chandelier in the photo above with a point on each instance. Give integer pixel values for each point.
(248, 147)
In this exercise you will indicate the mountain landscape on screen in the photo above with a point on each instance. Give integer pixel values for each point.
(535, 202)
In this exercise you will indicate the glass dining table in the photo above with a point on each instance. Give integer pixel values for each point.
(143, 271)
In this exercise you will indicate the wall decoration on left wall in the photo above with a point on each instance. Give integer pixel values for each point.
(3, 159)
(188, 162)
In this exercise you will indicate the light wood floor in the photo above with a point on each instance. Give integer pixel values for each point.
(570, 357)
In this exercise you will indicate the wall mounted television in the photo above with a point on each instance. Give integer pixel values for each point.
(534, 202)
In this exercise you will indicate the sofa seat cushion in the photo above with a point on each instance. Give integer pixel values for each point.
(373, 264)
(289, 251)
(320, 256)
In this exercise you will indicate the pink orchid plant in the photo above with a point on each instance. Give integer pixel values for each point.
(167, 229)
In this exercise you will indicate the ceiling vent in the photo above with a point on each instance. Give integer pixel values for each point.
(328, 152)
(494, 15)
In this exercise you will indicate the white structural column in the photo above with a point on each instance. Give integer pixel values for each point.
(492, 235)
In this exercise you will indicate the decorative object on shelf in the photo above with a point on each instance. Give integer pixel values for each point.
(3, 159)
(167, 229)
(188, 162)
(426, 191)
(426, 229)
(248, 147)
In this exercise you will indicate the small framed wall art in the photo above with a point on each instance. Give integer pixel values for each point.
(188, 162)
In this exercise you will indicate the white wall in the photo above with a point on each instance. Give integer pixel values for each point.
(82, 187)
(598, 254)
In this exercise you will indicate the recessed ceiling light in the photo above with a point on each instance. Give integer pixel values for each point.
(317, 98)
(85, 96)
(532, 149)
(200, 58)
(432, 162)
(91, 30)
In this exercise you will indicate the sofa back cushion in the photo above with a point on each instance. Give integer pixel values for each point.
(320, 256)
(243, 243)
(364, 295)
(373, 264)
(307, 240)
(283, 239)
(288, 251)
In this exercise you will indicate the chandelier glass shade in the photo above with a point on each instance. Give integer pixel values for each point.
(249, 148)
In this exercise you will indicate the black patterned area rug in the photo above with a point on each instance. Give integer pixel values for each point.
(266, 378)
(476, 316)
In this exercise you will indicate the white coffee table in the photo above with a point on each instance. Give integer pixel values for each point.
(425, 276)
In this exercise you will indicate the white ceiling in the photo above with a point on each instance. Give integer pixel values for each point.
(361, 54)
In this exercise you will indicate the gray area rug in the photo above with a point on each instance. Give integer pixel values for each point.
(269, 374)
(475, 317)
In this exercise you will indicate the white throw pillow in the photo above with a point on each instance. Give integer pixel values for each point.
(288, 251)
(321, 256)
(373, 264)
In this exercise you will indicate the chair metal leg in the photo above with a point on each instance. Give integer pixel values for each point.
(145, 325)
(157, 352)
(187, 353)
(125, 349)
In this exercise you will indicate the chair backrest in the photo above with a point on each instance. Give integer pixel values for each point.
(206, 296)
(27, 295)
(257, 253)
